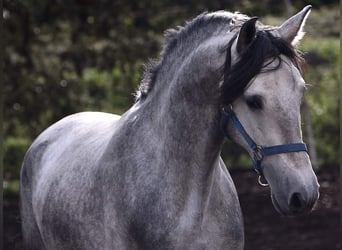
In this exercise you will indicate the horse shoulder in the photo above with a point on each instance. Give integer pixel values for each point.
(58, 175)
(228, 211)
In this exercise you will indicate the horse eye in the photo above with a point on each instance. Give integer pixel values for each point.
(254, 102)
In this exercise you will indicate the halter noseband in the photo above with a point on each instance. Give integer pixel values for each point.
(259, 152)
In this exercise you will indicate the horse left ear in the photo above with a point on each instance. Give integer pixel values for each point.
(292, 29)
(246, 35)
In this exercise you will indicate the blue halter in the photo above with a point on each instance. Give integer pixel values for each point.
(259, 152)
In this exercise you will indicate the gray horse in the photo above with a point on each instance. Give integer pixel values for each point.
(153, 178)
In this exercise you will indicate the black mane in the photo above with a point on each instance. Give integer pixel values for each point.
(265, 47)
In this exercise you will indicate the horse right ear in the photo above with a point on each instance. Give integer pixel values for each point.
(292, 29)
(246, 35)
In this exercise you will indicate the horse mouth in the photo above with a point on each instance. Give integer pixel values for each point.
(291, 211)
(277, 207)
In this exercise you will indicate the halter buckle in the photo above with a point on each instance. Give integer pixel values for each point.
(228, 109)
(257, 153)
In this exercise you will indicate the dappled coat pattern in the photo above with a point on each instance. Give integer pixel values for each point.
(153, 178)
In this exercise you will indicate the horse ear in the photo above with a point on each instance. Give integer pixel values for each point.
(292, 29)
(246, 35)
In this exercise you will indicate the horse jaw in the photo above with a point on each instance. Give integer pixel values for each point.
(292, 29)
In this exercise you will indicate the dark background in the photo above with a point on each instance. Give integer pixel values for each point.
(63, 57)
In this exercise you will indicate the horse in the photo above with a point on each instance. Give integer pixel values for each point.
(153, 178)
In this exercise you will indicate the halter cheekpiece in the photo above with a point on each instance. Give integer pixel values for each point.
(259, 152)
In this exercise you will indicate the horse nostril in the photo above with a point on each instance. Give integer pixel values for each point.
(297, 203)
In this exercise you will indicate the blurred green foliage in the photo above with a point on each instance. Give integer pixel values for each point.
(63, 57)
(323, 78)
(14, 150)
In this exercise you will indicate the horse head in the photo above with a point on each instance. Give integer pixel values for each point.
(264, 65)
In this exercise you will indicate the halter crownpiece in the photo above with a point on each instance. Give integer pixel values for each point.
(259, 152)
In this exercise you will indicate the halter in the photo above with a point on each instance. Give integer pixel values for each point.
(259, 152)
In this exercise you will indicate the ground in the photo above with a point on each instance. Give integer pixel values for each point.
(265, 229)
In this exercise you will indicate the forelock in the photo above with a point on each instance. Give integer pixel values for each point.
(265, 48)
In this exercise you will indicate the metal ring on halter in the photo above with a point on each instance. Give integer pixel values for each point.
(261, 183)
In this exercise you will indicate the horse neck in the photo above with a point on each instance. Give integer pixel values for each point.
(180, 116)
(185, 114)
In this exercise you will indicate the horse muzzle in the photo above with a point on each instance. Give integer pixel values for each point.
(297, 202)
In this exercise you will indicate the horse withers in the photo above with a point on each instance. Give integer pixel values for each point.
(153, 177)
